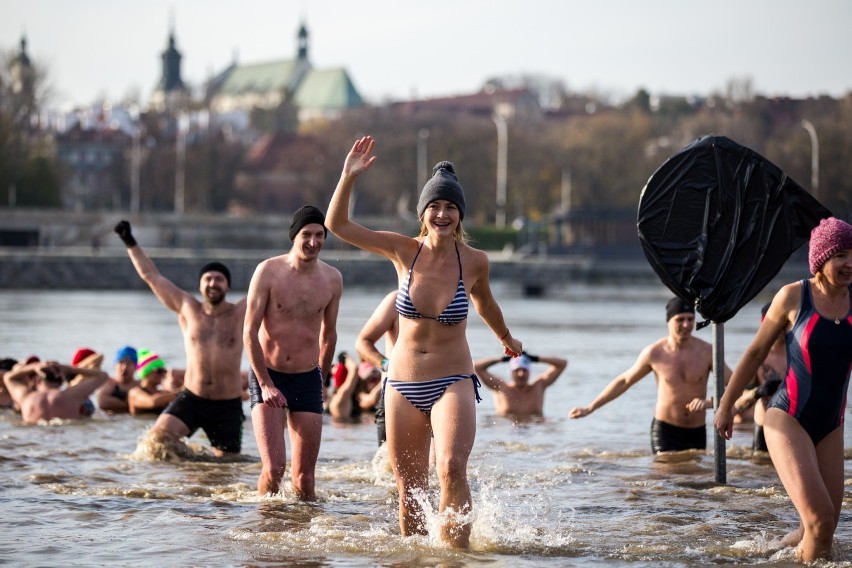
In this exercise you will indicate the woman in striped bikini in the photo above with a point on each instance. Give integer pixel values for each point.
(433, 389)
(803, 425)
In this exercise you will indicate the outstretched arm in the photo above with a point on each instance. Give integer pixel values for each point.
(480, 367)
(170, 295)
(618, 385)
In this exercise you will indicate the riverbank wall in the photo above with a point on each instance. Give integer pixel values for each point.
(74, 268)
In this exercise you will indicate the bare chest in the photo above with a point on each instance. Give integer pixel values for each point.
(299, 298)
(681, 368)
(223, 330)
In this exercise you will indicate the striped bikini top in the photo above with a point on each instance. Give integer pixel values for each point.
(454, 313)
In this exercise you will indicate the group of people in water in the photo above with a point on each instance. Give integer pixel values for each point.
(423, 384)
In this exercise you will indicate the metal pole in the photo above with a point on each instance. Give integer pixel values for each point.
(719, 374)
(808, 125)
(422, 164)
(502, 158)
(566, 189)
(135, 161)
(180, 163)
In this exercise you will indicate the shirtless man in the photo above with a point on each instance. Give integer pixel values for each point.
(290, 335)
(520, 398)
(682, 364)
(384, 322)
(210, 398)
(112, 396)
(49, 400)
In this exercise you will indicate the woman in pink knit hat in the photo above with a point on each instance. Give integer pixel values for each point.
(804, 422)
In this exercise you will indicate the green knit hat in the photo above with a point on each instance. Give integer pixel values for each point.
(148, 362)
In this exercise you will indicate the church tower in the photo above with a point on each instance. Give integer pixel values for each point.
(170, 93)
(23, 73)
(302, 43)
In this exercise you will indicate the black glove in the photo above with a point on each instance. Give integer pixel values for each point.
(123, 231)
(768, 388)
(532, 358)
(505, 358)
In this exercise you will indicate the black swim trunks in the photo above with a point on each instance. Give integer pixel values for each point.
(669, 438)
(221, 420)
(303, 391)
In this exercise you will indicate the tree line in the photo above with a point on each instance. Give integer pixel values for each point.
(581, 153)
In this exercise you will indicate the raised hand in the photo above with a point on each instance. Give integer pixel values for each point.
(122, 229)
(360, 157)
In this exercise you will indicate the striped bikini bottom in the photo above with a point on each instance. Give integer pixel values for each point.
(424, 394)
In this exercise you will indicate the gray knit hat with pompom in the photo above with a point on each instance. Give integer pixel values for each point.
(443, 185)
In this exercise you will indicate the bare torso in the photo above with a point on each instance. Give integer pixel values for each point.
(425, 348)
(214, 347)
(681, 374)
(294, 313)
(517, 400)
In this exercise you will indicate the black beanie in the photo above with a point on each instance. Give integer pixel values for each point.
(218, 267)
(305, 216)
(677, 306)
(443, 185)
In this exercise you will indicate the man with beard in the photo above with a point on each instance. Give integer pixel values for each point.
(211, 395)
(290, 335)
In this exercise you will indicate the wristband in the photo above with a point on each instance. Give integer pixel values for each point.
(505, 335)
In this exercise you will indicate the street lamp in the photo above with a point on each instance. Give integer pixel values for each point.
(502, 156)
(135, 160)
(808, 125)
(422, 165)
(180, 162)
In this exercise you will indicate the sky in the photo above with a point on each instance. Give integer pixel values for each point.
(402, 49)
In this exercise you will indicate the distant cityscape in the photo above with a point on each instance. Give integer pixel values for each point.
(264, 137)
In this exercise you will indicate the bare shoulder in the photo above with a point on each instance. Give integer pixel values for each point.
(655, 349)
(331, 274)
(474, 258)
(789, 296)
(330, 271)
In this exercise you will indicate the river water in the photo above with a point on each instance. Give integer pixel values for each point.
(549, 492)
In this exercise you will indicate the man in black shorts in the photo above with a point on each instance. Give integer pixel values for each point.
(212, 328)
(290, 336)
(681, 364)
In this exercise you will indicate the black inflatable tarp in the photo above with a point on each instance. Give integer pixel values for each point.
(717, 221)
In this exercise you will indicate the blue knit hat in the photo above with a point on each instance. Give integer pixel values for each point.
(443, 185)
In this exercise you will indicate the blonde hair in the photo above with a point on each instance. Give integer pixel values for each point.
(459, 233)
